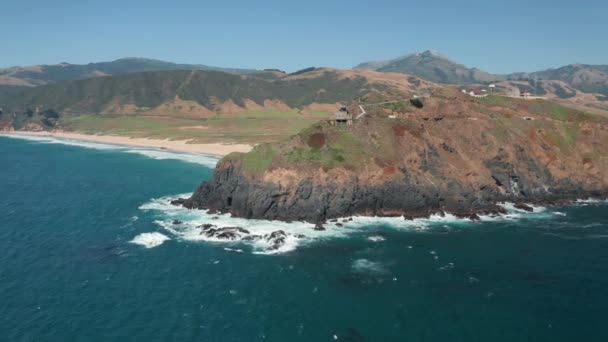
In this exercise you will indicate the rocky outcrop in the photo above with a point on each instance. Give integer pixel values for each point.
(413, 168)
(232, 191)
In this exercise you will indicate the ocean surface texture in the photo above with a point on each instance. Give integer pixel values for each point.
(89, 252)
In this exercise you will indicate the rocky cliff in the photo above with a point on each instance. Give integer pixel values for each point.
(458, 154)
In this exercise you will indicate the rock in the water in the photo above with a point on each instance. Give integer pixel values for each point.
(523, 206)
(177, 222)
(276, 239)
(225, 233)
(179, 201)
(319, 227)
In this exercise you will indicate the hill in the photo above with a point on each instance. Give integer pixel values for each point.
(583, 77)
(435, 67)
(17, 78)
(225, 104)
(431, 66)
(456, 154)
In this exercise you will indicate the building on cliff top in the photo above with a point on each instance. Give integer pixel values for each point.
(341, 117)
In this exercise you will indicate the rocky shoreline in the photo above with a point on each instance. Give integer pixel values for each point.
(315, 201)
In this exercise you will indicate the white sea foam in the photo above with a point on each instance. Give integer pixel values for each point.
(591, 201)
(238, 250)
(202, 159)
(297, 233)
(256, 233)
(510, 207)
(367, 266)
(376, 238)
(150, 240)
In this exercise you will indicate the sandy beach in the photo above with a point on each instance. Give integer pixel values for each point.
(171, 145)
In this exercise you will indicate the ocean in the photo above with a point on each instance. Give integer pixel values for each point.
(89, 251)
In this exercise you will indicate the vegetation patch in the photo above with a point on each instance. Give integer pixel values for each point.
(556, 139)
(551, 109)
(316, 140)
(249, 127)
(259, 159)
(499, 101)
(570, 134)
(416, 102)
(327, 147)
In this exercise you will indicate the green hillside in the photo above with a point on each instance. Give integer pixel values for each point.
(202, 105)
(47, 74)
(207, 88)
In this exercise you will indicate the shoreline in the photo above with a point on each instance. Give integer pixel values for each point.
(497, 209)
(182, 146)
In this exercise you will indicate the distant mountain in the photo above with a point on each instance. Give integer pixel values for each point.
(435, 67)
(431, 66)
(16, 78)
(583, 77)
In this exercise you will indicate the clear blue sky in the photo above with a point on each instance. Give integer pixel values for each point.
(495, 35)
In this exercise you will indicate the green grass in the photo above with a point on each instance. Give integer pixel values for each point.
(259, 159)
(501, 101)
(557, 139)
(570, 134)
(553, 110)
(341, 149)
(248, 127)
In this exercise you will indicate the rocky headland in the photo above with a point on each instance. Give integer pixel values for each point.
(457, 154)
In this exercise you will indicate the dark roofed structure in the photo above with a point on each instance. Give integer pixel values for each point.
(341, 117)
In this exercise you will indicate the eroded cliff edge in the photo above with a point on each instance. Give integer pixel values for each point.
(456, 155)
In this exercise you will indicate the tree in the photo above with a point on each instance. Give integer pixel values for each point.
(416, 102)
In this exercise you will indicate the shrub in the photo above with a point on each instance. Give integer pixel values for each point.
(416, 102)
(50, 113)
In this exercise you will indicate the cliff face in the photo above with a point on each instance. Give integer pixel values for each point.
(457, 155)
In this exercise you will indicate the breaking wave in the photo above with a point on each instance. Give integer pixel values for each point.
(150, 240)
(261, 236)
(202, 159)
(275, 237)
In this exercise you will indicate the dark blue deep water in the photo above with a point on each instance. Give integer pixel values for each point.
(69, 271)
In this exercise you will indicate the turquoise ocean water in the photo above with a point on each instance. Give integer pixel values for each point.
(88, 252)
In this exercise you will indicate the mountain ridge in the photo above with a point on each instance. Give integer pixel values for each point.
(436, 67)
(207, 92)
(16, 78)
